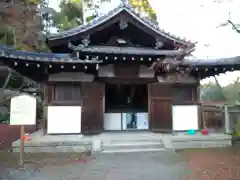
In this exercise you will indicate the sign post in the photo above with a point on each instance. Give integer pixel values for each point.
(23, 112)
(21, 160)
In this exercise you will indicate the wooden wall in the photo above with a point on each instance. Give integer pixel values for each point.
(9, 133)
(161, 99)
(160, 107)
(92, 107)
(90, 95)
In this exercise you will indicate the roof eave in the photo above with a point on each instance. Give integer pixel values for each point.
(98, 21)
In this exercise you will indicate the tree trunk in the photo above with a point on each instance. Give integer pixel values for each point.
(220, 88)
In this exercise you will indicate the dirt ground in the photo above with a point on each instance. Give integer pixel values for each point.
(213, 164)
(194, 164)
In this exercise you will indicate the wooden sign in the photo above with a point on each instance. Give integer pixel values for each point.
(23, 110)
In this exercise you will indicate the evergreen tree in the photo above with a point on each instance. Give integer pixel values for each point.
(144, 7)
(69, 16)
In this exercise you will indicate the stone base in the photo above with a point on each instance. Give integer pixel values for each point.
(208, 141)
(53, 147)
(122, 142)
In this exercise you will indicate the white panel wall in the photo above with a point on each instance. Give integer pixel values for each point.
(185, 117)
(142, 120)
(64, 119)
(112, 121)
(124, 121)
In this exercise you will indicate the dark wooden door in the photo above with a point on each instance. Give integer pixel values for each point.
(161, 115)
(92, 107)
(160, 107)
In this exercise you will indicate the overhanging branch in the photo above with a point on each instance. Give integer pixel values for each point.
(234, 26)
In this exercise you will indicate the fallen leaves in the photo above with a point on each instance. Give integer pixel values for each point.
(214, 164)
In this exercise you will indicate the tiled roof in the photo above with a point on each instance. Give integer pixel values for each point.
(130, 50)
(122, 7)
(6, 52)
(232, 61)
(10, 52)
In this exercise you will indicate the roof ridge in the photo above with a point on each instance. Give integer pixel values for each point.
(155, 25)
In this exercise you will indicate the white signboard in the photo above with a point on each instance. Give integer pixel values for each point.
(23, 110)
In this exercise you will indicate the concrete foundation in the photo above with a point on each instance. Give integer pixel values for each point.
(214, 140)
(121, 142)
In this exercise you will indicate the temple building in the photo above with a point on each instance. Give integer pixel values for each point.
(118, 72)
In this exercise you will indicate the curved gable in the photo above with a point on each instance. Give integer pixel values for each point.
(123, 11)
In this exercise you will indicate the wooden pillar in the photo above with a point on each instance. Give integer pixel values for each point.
(200, 108)
(47, 100)
(45, 103)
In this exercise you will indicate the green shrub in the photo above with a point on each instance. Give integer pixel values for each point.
(237, 131)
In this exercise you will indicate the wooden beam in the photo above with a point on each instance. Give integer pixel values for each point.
(70, 77)
(176, 78)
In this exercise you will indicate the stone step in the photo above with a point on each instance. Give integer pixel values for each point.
(132, 141)
(54, 149)
(134, 150)
(135, 145)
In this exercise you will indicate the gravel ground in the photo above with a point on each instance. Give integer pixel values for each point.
(126, 166)
(195, 164)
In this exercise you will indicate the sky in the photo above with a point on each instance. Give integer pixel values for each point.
(198, 21)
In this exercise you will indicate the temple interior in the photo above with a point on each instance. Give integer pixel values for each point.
(126, 98)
